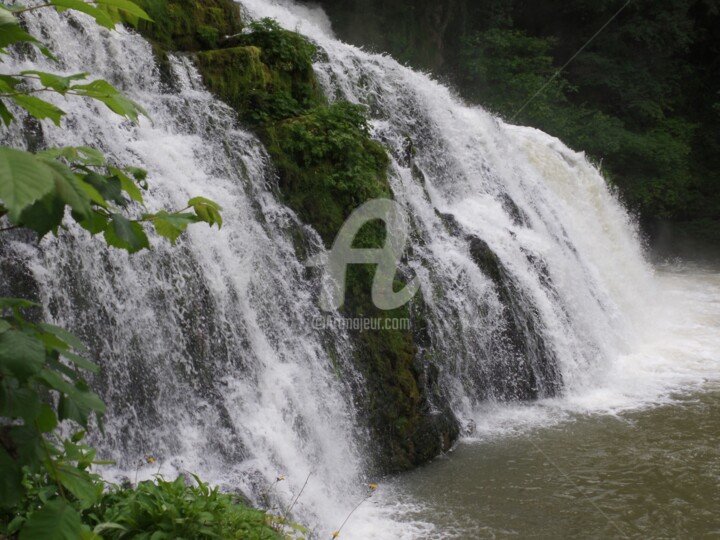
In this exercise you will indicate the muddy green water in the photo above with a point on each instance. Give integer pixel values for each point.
(653, 473)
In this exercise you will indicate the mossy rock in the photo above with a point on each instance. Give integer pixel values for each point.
(235, 75)
(329, 165)
(189, 25)
(259, 91)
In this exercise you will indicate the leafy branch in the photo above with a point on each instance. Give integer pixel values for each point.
(46, 483)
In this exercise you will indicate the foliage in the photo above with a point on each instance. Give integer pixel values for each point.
(505, 67)
(260, 93)
(36, 188)
(189, 25)
(286, 51)
(330, 166)
(38, 361)
(164, 510)
(53, 499)
(45, 478)
(264, 73)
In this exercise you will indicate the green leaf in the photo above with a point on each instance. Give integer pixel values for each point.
(207, 210)
(93, 194)
(17, 303)
(15, 525)
(80, 484)
(171, 226)
(95, 224)
(39, 108)
(77, 452)
(21, 356)
(138, 174)
(90, 156)
(11, 488)
(44, 215)
(57, 520)
(8, 83)
(64, 335)
(69, 189)
(100, 16)
(87, 534)
(55, 382)
(54, 364)
(5, 115)
(18, 401)
(103, 91)
(10, 30)
(128, 185)
(102, 527)
(24, 179)
(81, 154)
(46, 420)
(57, 82)
(127, 6)
(28, 442)
(109, 188)
(125, 234)
(79, 361)
(78, 405)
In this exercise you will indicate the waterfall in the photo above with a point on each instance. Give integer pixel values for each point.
(531, 270)
(516, 233)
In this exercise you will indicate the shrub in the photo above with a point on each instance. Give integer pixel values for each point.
(162, 510)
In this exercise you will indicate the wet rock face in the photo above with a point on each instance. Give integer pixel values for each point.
(528, 369)
(401, 401)
(522, 366)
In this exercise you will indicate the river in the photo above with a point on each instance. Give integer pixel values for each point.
(639, 457)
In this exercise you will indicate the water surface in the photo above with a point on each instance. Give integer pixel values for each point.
(635, 454)
(647, 474)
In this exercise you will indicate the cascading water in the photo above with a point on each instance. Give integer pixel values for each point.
(532, 273)
(209, 363)
(532, 269)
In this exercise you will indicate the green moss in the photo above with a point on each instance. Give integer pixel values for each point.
(208, 36)
(329, 164)
(258, 90)
(189, 25)
(235, 75)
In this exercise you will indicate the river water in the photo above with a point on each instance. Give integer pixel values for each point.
(638, 458)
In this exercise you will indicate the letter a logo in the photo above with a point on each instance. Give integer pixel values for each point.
(386, 259)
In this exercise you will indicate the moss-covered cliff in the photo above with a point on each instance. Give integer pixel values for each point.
(327, 166)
